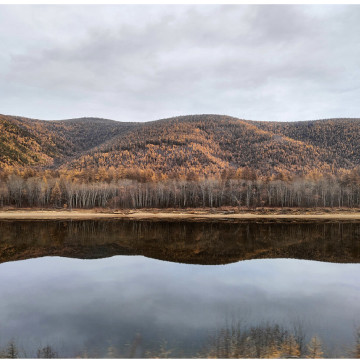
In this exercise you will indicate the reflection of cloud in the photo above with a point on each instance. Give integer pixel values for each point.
(148, 62)
(90, 301)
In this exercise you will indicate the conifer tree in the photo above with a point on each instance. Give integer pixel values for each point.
(314, 349)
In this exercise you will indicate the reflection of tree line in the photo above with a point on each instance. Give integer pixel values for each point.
(189, 242)
(231, 341)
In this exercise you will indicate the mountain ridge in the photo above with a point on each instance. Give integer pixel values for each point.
(206, 144)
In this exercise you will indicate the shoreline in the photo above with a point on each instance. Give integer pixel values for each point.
(181, 214)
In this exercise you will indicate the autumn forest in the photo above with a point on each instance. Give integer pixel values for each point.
(188, 161)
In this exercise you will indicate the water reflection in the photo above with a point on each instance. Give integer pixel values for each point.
(183, 242)
(81, 304)
(129, 305)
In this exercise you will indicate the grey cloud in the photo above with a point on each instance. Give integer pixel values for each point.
(139, 63)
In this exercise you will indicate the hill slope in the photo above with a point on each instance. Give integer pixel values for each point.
(339, 138)
(45, 143)
(200, 144)
(209, 144)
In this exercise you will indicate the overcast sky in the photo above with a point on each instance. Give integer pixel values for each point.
(145, 62)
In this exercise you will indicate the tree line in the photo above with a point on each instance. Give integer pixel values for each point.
(263, 341)
(249, 192)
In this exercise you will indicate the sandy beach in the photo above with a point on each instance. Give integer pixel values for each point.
(176, 214)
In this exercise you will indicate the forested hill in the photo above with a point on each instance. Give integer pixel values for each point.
(182, 146)
(26, 142)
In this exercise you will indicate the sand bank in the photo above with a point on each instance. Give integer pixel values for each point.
(32, 214)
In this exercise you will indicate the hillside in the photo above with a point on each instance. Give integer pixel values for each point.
(338, 138)
(197, 144)
(209, 144)
(50, 143)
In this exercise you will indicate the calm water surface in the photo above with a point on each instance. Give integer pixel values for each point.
(131, 285)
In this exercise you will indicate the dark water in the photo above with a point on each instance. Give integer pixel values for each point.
(125, 287)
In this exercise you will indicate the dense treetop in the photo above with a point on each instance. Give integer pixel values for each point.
(50, 143)
(194, 145)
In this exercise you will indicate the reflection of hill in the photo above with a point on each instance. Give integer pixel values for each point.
(193, 243)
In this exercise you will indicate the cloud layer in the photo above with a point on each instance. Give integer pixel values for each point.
(140, 63)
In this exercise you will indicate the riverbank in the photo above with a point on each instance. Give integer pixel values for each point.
(182, 214)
